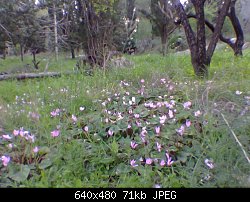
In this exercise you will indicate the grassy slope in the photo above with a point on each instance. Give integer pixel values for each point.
(75, 165)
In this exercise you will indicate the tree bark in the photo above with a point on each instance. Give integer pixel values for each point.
(238, 30)
(217, 30)
(200, 57)
(55, 30)
(72, 52)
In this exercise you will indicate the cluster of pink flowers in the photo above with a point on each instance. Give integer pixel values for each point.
(150, 161)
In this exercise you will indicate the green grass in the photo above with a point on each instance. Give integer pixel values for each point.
(89, 159)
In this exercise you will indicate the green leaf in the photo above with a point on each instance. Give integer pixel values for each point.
(44, 150)
(45, 163)
(21, 175)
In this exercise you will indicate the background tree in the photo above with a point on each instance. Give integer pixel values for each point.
(200, 55)
(161, 19)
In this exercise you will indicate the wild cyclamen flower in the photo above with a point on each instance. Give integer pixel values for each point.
(30, 137)
(7, 137)
(209, 163)
(163, 119)
(197, 113)
(169, 160)
(157, 130)
(144, 132)
(10, 146)
(86, 128)
(74, 118)
(162, 163)
(163, 81)
(238, 92)
(171, 114)
(5, 160)
(133, 163)
(187, 105)
(82, 108)
(188, 123)
(158, 146)
(181, 130)
(110, 132)
(55, 112)
(157, 186)
(142, 80)
(55, 133)
(149, 161)
(137, 116)
(133, 144)
(15, 132)
(36, 149)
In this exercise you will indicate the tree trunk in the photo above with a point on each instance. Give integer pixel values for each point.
(21, 51)
(55, 31)
(72, 52)
(237, 28)
(201, 57)
(164, 38)
(217, 30)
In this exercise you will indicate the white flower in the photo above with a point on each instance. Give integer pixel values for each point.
(209, 163)
(238, 92)
(82, 108)
(197, 113)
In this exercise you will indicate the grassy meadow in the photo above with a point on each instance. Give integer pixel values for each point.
(150, 125)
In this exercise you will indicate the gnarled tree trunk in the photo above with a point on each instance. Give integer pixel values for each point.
(201, 57)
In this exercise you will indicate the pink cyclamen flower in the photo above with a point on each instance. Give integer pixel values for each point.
(55, 133)
(171, 114)
(163, 80)
(31, 138)
(137, 116)
(157, 129)
(142, 80)
(86, 128)
(149, 161)
(187, 105)
(181, 130)
(7, 137)
(158, 146)
(55, 112)
(162, 163)
(197, 113)
(169, 160)
(74, 118)
(133, 144)
(5, 160)
(36, 149)
(110, 132)
(10, 146)
(15, 132)
(188, 123)
(133, 163)
(163, 119)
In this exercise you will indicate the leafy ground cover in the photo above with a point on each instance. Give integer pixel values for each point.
(150, 125)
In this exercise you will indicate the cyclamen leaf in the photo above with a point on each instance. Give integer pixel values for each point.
(21, 175)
